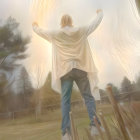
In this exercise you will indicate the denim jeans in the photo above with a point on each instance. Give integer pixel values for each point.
(81, 79)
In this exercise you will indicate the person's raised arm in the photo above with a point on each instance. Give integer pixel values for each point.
(41, 32)
(94, 24)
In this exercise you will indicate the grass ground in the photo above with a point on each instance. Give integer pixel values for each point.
(47, 127)
(43, 129)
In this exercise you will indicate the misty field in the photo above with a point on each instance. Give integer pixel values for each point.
(45, 128)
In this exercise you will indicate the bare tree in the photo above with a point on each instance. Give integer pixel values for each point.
(37, 77)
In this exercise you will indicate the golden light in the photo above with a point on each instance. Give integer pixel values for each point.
(40, 11)
(118, 43)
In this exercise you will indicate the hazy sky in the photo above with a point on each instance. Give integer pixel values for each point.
(115, 44)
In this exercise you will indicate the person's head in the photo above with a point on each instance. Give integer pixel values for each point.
(66, 20)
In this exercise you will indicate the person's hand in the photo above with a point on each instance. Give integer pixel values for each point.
(98, 11)
(34, 24)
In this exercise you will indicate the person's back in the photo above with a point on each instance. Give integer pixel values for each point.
(68, 37)
(72, 61)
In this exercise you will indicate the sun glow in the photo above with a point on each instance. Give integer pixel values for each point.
(40, 11)
(116, 43)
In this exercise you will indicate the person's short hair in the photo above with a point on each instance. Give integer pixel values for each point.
(66, 20)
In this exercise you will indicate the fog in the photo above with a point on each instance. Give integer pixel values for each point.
(115, 44)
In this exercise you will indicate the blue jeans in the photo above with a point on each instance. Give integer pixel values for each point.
(81, 79)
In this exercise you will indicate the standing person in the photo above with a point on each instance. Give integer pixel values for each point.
(72, 61)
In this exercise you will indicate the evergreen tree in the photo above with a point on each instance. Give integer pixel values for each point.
(138, 82)
(49, 95)
(12, 48)
(24, 87)
(12, 45)
(126, 85)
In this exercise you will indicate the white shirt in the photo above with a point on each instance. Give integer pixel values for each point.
(70, 50)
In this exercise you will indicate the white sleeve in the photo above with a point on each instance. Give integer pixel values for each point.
(43, 33)
(94, 24)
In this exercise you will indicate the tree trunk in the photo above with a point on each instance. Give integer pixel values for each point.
(138, 5)
(38, 104)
